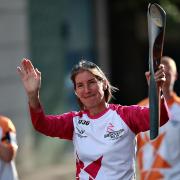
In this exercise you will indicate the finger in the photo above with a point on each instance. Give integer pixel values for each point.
(29, 65)
(160, 75)
(22, 68)
(147, 74)
(20, 71)
(161, 66)
(163, 79)
(24, 65)
(38, 73)
(160, 72)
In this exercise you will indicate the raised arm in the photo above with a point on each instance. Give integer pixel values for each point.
(31, 79)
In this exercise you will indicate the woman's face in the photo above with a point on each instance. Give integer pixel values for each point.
(89, 89)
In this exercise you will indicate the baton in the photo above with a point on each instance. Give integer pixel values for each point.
(156, 29)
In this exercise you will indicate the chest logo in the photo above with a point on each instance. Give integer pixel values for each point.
(113, 134)
(80, 133)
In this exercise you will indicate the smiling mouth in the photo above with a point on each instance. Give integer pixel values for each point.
(89, 96)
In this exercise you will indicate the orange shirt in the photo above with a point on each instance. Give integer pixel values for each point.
(7, 130)
(160, 158)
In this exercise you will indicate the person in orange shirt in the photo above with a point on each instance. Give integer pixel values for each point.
(160, 158)
(8, 149)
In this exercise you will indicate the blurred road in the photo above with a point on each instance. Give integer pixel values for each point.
(55, 172)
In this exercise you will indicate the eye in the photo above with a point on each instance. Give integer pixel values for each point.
(79, 86)
(92, 82)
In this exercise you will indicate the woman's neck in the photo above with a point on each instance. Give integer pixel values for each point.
(98, 109)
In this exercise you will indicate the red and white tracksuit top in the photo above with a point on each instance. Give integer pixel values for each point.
(104, 144)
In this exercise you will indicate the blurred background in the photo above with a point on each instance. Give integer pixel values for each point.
(55, 35)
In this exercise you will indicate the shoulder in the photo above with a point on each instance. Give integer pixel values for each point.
(73, 114)
(125, 110)
(132, 115)
(144, 102)
(116, 107)
(176, 98)
(6, 124)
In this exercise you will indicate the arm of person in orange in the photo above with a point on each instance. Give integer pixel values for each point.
(8, 144)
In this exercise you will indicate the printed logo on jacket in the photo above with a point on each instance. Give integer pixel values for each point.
(113, 134)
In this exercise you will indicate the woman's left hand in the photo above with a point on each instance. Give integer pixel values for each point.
(159, 76)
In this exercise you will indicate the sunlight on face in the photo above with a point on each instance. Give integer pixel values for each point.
(171, 74)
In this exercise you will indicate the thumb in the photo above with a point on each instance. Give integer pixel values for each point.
(147, 74)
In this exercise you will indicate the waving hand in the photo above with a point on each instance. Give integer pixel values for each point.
(31, 79)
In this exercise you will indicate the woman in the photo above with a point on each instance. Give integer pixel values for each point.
(103, 134)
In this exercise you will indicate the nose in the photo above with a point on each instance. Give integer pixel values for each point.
(86, 89)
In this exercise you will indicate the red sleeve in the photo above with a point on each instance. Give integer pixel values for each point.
(53, 125)
(137, 117)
